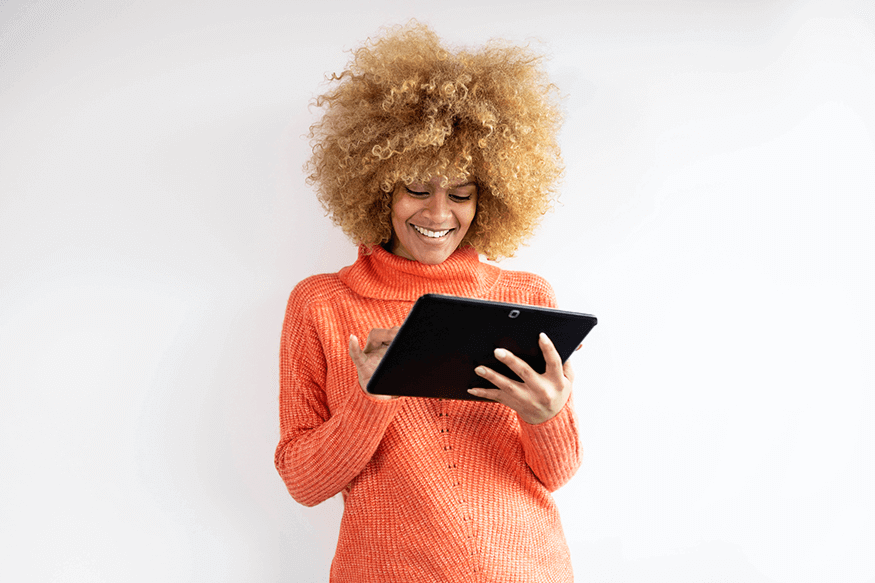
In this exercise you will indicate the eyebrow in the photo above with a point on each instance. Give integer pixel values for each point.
(449, 186)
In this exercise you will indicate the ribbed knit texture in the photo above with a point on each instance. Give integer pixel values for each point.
(435, 490)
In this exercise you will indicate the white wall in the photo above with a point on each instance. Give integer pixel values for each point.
(718, 218)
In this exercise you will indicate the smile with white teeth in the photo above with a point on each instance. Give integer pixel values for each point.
(432, 234)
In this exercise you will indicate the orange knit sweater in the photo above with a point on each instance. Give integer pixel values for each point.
(435, 490)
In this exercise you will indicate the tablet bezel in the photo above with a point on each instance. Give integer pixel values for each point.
(445, 337)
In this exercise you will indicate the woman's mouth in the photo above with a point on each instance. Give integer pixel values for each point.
(431, 234)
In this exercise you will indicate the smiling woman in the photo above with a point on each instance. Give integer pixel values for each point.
(429, 221)
(407, 110)
(427, 158)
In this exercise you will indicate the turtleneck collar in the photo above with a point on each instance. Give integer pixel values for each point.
(381, 275)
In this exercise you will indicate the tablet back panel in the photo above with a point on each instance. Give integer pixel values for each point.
(445, 337)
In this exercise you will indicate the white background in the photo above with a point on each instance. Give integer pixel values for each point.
(717, 217)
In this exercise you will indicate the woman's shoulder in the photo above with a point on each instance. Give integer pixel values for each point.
(317, 289)
(526, 288)
(524, 278)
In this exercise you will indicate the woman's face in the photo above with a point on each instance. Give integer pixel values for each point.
(429, 221)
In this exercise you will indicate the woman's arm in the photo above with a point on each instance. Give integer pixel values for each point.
(549, 432)
(548, 426)
(552, 448)
(320, 450)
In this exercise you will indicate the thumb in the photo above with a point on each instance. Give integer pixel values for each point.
(568, 371)
(355, 351)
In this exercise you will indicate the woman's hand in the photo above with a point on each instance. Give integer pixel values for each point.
(539, 397)
(366, 360)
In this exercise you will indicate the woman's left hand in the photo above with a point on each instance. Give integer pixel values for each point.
(539, 397)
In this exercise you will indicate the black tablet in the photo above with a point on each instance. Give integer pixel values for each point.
(445, 337)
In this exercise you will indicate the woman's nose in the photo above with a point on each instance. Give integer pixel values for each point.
(438, 207)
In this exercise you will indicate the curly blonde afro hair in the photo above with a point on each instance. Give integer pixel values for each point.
(407, 109)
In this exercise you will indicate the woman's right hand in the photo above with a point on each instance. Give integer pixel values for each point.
(366, 360)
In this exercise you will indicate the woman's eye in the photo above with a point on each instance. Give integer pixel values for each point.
(460, 198)
(416, 193)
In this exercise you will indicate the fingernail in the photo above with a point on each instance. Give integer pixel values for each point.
(500, 352)
(480, 370)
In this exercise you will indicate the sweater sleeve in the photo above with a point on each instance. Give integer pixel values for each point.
(552, 448)
(320, 450)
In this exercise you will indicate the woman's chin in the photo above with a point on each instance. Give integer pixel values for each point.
(432, 256)
(428, 252)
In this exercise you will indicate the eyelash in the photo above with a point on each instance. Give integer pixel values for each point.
(454, 197)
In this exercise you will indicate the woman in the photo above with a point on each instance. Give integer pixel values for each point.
(427, 158)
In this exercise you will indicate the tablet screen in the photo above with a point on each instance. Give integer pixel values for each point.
(444, 338)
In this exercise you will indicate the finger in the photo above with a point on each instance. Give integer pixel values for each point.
(551, 355)
(372, 342)
(359, 360)
(491, 394)
(384, 335)
(496, 378)
(378, 337)
(514, 363)
(355, 351)
(568, 371)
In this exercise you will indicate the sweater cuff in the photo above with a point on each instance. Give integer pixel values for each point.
(557, 435)
(369, 412)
